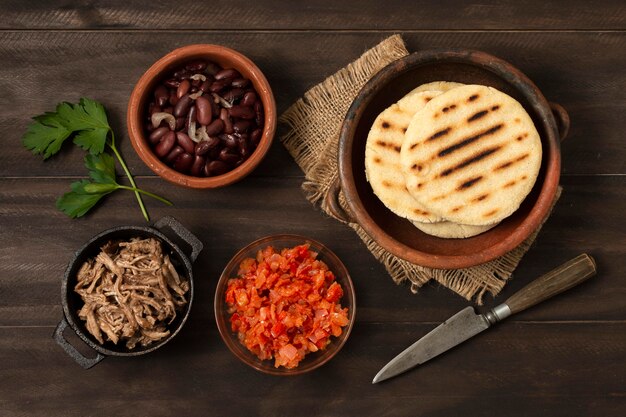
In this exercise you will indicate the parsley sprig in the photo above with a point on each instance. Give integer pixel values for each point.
(87, 123)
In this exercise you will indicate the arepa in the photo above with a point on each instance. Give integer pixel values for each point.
(471, 155)
(451, 230)
(382, 157)
(442, 86)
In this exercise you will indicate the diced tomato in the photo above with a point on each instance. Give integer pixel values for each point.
(285, 304)
(242, 298)
(334, 293)
(277, 329)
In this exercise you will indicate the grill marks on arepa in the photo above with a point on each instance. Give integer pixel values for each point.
(477, 161)
(382, 157)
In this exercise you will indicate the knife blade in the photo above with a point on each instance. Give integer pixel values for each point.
(466, 323)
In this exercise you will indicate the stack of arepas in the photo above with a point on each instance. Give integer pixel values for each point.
(454, 159)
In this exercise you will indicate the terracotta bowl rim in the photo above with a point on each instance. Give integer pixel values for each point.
(519, 82)
(136, 129)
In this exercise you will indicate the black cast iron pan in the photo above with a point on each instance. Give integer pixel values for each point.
(72, 301)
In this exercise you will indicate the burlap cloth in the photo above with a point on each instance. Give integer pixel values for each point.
(312, 134)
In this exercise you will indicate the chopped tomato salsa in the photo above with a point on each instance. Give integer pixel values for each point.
(285, 304)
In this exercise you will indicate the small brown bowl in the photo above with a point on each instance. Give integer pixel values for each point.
(398, 235)
(312, 360)
(225, 57)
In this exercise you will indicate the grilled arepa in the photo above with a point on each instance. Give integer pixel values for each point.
(471, 155)
(382, 157)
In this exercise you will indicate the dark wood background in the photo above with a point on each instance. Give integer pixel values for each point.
(562, 358)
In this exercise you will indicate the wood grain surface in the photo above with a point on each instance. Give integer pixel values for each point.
(564, 357)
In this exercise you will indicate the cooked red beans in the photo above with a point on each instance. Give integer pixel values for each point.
(209, 119)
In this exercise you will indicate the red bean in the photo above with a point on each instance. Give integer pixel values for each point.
(214, 153)
(182, 74)
(244, 148)
(217, 86)
(215, 108)
(193, 89)
(240, 82)
(182, 106)
(173, 99)
(228, 157)
(215, 127)
(230, 141)
(203, 147)
(180, 123)
(161, 95)
(255, 136)
(172, 83)
(228, 124)
(157, 134)
(233, 94)
(249, 99)
(258, 109)
(183, 162)
(205, 86)
(195, 66)
(165, 145)
(204, 112)
(243, 112)
(174, 153)
(227, 73)
(241, 126)
(213, 168)
(185, 141)
(212, 68)
(198, 165)
(183, 88)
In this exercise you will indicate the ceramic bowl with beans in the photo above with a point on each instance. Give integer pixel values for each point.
(203, 116)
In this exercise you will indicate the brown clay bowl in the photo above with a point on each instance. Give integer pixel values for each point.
(225, 57)
(398, 235)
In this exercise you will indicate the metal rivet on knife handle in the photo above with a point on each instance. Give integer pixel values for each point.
(564, 277)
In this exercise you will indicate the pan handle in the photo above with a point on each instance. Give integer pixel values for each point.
(83, 361)
(562, 119)
(332, 203)
(183, 233)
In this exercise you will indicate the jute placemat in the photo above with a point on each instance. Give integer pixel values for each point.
(313, 124)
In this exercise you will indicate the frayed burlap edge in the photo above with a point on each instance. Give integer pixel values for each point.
(313, 124)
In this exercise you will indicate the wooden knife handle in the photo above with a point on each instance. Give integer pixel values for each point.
(566, 276)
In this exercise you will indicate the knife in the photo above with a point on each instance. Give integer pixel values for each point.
(466, 323)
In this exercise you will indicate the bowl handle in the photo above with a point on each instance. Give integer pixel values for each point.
(182, 232)
(331, 203)
(562, 119)
(83, 361)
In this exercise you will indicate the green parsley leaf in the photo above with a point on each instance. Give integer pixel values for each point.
(87, 120)
(85, 194)
(101, 168)
(82, 197)
(45, 135)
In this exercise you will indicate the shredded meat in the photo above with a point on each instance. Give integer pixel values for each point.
(131, 292)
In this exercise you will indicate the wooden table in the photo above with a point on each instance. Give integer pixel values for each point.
(562, 358)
